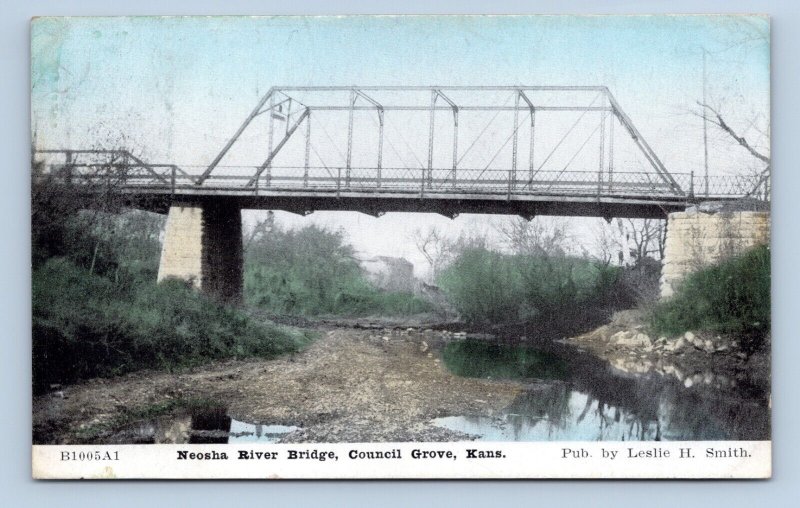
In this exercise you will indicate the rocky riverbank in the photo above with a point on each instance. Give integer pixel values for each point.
(371, 381)
(351, 385)
(693, 358)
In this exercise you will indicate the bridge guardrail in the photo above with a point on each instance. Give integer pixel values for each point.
(118, 168)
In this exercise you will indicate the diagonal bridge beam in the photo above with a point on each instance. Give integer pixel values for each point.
(648, 152)
(371, 99)
(277, 149)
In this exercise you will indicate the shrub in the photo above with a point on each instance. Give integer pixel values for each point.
(732, 296)
(484, 286)
(640, 283)
(489, 287)
(312, 271)
(85, 326)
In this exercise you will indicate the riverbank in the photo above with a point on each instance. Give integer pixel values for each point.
(351, 385)
(359, 382)
(692, 358)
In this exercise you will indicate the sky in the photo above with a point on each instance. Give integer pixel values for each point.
(175, 88)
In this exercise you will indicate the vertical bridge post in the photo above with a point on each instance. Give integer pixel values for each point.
(353, 97)
(602, 153)
(307, 153)
(533, 125)
(434, 96)
(356, 94)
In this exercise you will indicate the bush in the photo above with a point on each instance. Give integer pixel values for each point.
(484, 287)
(489, 287)
(84, 326)
(312, 271)
(731, 297)
(640, 283)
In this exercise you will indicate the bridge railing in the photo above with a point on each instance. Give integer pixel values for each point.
(120, 169)
(462, 180)
(756, 186)
(106, 168)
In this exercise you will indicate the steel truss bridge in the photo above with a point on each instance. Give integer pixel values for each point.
(546, 150)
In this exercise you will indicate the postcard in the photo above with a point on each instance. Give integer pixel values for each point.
(401, 247)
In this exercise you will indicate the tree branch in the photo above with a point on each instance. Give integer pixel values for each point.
(720, 122)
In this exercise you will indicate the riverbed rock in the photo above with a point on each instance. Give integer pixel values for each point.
(675, 345)
(630, 339)
(632, 365)
(689, 336)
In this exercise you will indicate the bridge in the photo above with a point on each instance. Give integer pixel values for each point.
(522, 150)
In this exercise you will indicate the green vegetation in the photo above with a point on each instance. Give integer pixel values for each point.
(97, 310)
(85, 325)
(313, 271)
(489, 287)
(731, 297)
(476, 358)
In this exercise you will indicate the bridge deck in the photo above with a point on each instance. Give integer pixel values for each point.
(572, 194)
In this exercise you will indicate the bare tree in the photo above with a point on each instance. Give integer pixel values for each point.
(440, 250)
(720, 122)
(606, 244)
(540, 236)
(259, 230)
(647, 238)
(433, 245)
(761, 175)
(630, 241)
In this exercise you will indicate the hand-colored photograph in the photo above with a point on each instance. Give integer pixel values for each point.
(456, 233)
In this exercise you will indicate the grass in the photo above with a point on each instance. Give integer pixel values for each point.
(85, 326)
(730, 297)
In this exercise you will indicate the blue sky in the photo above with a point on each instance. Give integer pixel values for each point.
(175, 88)
(173, 82)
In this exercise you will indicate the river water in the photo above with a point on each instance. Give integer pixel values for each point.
(566, 395)
(572, 396)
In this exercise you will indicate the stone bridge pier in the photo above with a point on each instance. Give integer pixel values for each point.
(203, 246)
(705, 235)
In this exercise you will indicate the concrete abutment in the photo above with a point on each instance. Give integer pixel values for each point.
(203, 246)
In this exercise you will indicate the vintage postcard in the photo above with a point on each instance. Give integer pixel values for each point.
(401, 247)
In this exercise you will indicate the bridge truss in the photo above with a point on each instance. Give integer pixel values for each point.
(377, 147)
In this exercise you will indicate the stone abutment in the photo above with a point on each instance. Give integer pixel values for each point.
(203, 246)
(697, 238)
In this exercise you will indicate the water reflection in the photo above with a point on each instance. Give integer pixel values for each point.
(574, 396)
(584, 419)
(207, 425)
(249, 432)
(210, 425)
